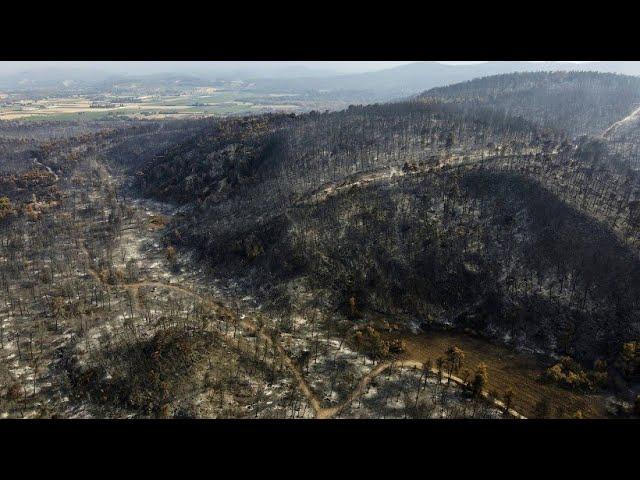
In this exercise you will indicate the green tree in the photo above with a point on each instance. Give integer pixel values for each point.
(5, 207)
(508, 400)
(479, 380)
(455, 359)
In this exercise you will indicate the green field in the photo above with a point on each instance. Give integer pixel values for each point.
(225, 102)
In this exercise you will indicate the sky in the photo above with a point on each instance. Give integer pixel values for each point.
(139, 67)
(157, 66)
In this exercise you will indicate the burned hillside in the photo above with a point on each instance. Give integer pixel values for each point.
(468, 216)
(578, 103)
(470, 253)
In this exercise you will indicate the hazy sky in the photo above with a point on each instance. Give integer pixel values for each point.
(138, 67)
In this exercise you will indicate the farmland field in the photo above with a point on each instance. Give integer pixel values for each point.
(188, 104)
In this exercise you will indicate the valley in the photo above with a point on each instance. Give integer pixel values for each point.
(132, 312)
(472, 252)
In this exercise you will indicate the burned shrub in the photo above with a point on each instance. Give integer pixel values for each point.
(145, 376)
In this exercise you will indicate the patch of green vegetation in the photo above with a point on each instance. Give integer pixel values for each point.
(218, 97)
(73, 116)
(225, 109)
(568, 373)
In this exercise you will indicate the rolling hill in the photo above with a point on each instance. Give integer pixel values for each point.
(445, 208)
(580, 103)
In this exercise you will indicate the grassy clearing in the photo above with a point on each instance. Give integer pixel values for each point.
(507, 370)
(218, 97)
(74, 116)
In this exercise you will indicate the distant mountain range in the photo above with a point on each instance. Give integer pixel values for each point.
(416, 77)
(285, 77)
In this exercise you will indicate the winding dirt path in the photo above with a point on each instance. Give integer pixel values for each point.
(366, 178)
(134, 288)
(250, 327)
(321, 412)
(382, 367)
(629, 118)
(48, 169)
